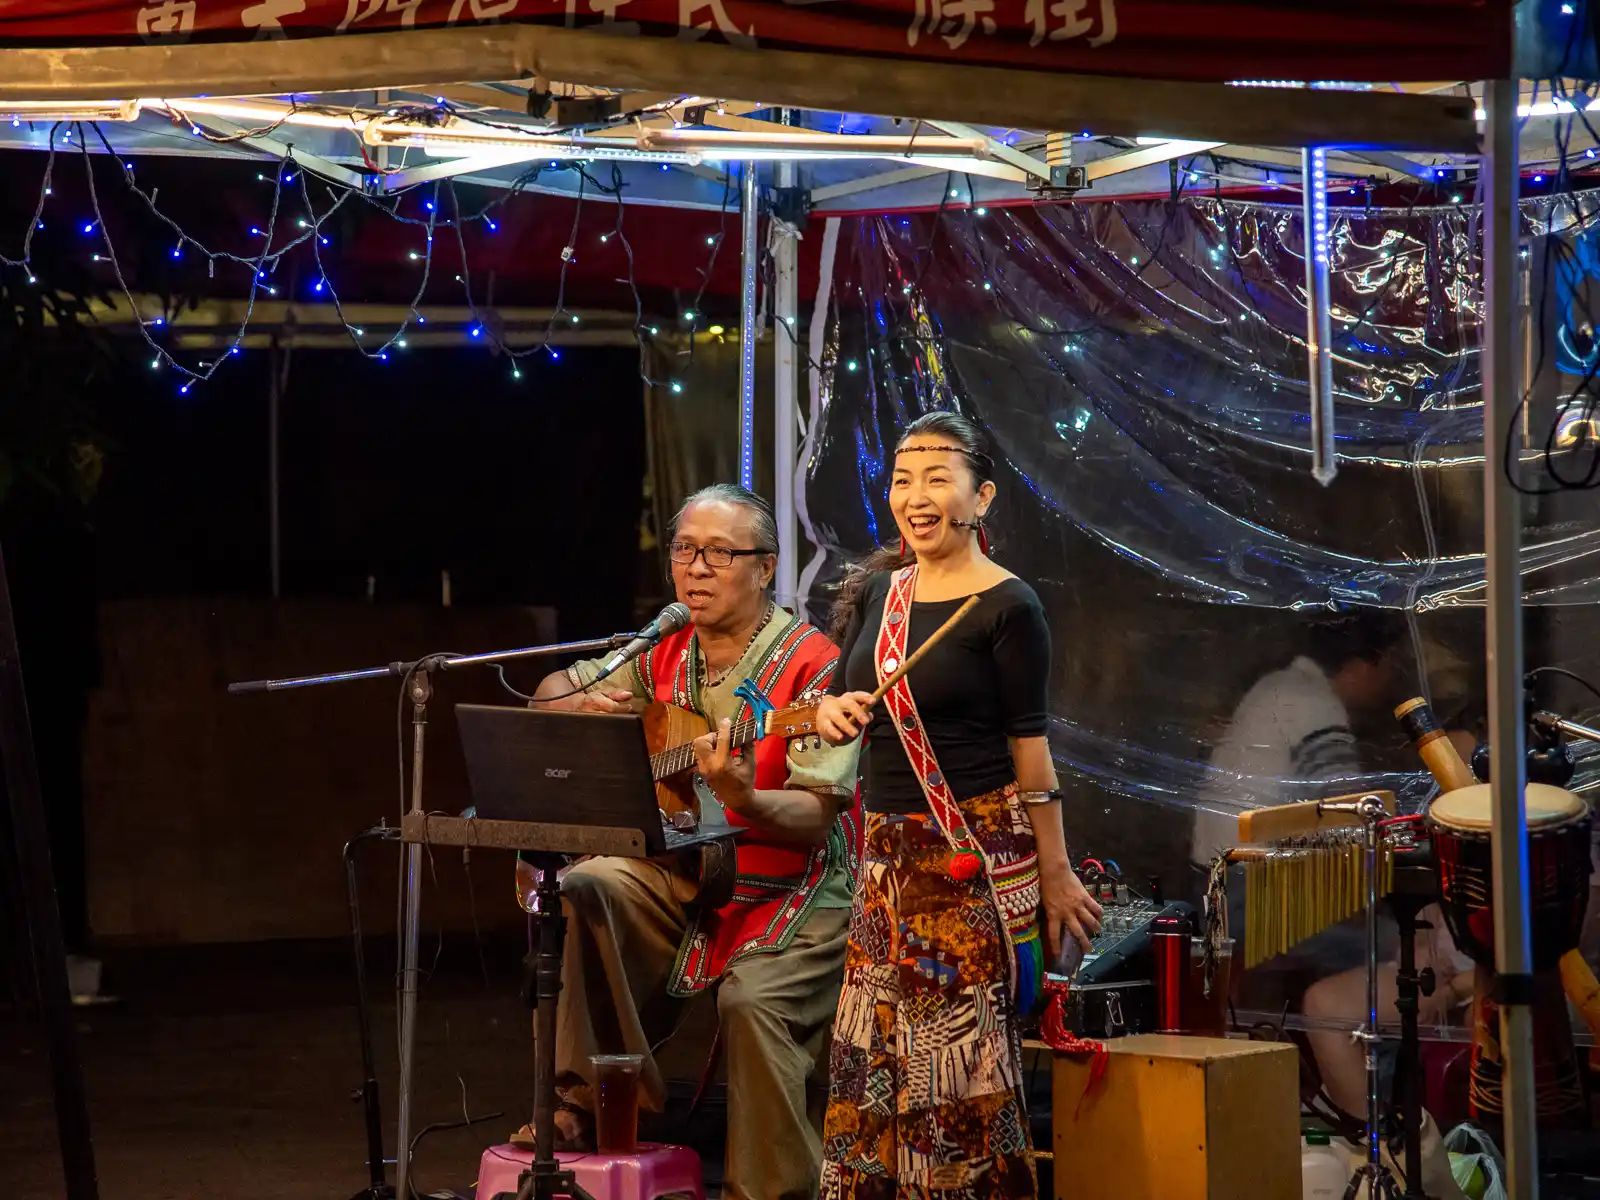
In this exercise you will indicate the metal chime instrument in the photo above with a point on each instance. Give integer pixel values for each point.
(1312, 874)
(1317, 874)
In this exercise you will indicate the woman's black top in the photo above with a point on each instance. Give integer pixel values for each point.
(989, 679)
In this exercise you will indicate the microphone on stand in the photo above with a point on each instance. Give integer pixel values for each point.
(1548, 759)
(671, 619)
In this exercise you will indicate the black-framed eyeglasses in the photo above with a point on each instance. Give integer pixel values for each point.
(717, 557)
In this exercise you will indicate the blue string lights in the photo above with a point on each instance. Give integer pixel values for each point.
(1318, 199)
(441, 210)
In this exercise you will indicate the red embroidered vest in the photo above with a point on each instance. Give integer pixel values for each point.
(777, 880)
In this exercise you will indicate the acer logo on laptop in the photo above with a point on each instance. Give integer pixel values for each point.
(556, 773)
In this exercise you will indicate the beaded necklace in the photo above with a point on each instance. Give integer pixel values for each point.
(715, 679)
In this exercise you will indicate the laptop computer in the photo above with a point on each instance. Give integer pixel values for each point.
(563, 768)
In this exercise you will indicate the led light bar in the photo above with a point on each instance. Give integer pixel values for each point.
(745, 144)
(17, 111)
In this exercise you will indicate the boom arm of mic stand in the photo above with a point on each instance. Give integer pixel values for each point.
(1549, 721)
(442, 661)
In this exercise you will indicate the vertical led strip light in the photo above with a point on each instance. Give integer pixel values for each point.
(1319, 322)
(749, 218)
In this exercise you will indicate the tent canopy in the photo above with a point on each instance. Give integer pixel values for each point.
(972, 87)
(1208, 40)
(417, 89)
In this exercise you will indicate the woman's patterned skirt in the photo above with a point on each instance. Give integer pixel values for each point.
(926, 1064)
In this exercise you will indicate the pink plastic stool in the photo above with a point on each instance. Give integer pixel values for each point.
(653, 1172)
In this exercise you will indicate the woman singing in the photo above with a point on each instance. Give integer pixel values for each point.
(964, 842)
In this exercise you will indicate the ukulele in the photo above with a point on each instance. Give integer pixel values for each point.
(669, 732)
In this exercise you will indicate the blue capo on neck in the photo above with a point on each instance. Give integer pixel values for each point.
(760, 706)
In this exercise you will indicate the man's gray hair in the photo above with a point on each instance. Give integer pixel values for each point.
(766, 523)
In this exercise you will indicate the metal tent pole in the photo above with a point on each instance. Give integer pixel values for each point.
(785, 390)
(749, 219)
(1502, 512)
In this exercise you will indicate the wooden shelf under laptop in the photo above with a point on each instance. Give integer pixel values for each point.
(439, 830)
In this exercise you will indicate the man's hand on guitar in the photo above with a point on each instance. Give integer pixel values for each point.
(731, 775)
(840, 719)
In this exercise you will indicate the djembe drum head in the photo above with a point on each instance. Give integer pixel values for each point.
(1558, 869)
(1468, 809)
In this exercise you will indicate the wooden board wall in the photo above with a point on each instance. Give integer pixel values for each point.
(217, 818)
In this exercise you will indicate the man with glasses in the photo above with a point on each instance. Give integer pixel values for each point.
(637, 948)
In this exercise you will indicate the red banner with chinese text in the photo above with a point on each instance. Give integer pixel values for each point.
(1375, 40)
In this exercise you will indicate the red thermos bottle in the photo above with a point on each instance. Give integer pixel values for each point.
(1169, 944)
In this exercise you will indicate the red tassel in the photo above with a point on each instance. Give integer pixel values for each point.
(1053, 1031)
(983, 539)
(902, 545)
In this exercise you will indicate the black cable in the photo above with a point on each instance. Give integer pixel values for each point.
(1582, 392)
(472, 906)
(442, 1127)
(1533, 674)
(500, 670)
(565, 695)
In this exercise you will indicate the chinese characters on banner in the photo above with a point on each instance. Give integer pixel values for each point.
(175, 19)
(168, 17)
(1062, 20)
(1166, 39)
(957, 20)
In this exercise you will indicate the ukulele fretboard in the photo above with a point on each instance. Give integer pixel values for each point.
(681, 758)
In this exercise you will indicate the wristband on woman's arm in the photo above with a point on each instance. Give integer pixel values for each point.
(1037, 798)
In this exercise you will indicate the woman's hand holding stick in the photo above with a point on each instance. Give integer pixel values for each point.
(840, 719)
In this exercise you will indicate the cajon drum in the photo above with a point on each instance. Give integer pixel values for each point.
(1182, 1118)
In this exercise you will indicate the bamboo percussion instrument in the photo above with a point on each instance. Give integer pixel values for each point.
(905, 668)
(1311, 876)
(1433, 745)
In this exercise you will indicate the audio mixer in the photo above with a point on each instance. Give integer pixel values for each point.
(1110, 989)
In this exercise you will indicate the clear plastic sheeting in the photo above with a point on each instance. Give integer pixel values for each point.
(1141, 368)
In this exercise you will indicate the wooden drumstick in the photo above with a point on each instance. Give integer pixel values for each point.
(905, 667)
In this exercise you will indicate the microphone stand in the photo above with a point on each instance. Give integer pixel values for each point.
(417, 678)
(378, 1182)
(1372, 1175)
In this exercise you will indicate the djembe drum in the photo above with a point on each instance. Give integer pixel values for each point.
(1558, 885)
